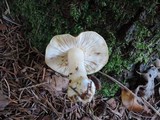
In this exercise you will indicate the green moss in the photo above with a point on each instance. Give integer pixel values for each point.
(143, 46)
(44, 19)
(109, 90)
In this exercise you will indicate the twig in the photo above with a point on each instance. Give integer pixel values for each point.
(115, 112)
(36, 96)
(116, 81)
(156, 111)
(154, 117)
(53, 109)
(7, 71)
(37, 85)
(9, 90)
(140, 116)
(20, 95)
(137, 89)
(44, 72)
(8, 9)
(75, 91)
(9, 20)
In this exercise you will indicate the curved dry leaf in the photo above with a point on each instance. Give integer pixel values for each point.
(3, 27)
(96, 81)
(112, 103)
(131, 102)
(3, 101)
(56, 82)
(26, 68)
(47, 117)
(100, 108)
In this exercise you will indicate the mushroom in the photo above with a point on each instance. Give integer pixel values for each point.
(76, 57)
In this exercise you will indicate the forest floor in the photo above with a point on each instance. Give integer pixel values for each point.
(28, 89)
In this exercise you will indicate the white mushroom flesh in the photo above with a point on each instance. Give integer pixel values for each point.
(80, 86)
(76, 63)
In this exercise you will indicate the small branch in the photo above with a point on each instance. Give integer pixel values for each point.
(120, 84)
(116, 81)
(44, 72)
(9, 20)
(156, 111)
(8, 9)
(75, 91)
(37, 85)
(9, 89)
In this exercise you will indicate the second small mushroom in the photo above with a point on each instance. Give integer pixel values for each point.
(76, 57)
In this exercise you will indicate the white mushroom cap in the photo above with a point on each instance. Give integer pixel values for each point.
(92, 44)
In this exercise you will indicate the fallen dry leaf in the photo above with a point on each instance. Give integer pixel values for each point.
(3, 101)
(112, 103)
(46, 117)
(100, 109)
(56, 82)
(131, 102)
(3, 27)
(86, 118)
(96, 81)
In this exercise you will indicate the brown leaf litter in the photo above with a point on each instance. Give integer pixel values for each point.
(3, 101)
(56, 82)
(131, 102)
(30, 90)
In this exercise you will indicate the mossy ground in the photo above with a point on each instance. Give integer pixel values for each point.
(44, 19)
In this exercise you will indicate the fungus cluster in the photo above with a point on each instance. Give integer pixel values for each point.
(76, 57)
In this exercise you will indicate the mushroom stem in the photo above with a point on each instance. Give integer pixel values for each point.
(76, 64)
(80, 86)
